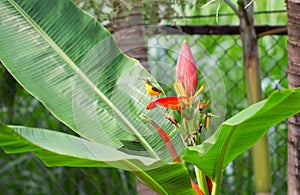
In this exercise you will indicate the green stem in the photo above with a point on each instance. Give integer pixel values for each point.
(216, 187)
(201, 180)
(261, 166)
(216, 182)
(219, 168)
(260, 152)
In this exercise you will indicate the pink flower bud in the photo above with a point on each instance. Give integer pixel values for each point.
(186, 70)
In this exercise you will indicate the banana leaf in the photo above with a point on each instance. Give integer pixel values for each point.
(60, 149)
(242, 131)
(69, 62)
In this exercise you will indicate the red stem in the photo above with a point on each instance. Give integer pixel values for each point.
(166, 138)
(173, 152)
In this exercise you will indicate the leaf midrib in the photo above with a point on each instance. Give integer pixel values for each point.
(84, 77)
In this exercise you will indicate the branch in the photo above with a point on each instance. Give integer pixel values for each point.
(230, 4)
(272, 32)
(245, 14)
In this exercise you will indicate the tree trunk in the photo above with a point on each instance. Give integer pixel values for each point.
(129, 33)
(260, 151)
(293, 13)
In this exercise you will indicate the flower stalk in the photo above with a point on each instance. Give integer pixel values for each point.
(201, 178)
(193, 120)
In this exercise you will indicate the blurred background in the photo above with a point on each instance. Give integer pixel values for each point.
(25, 174)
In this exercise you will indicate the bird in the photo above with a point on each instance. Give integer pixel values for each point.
(151, 90)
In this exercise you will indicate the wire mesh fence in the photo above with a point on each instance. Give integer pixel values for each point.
(25, 174)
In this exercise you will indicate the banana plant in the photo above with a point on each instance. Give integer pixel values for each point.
(70, 63)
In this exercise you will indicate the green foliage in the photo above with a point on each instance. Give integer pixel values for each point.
(59, 149)
(71, 75)
(235, 135)
(241, 131)
(87, 83)
(66, 82)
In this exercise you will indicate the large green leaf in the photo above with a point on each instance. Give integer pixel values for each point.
(240, 132)
(71, 64)
(59, 149)
(68, 61)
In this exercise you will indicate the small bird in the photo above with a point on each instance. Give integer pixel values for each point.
(153, 91)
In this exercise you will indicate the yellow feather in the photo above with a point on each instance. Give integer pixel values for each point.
(151, 90)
